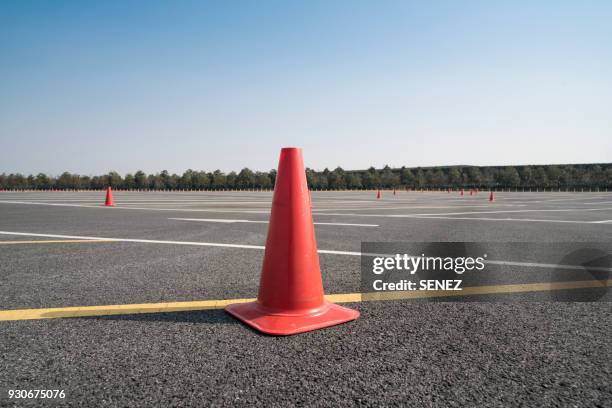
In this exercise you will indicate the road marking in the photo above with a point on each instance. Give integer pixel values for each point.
(58, 241)
(508, 219)
(416, 216)
(168, 307)
(145, 241)
(267, 222)
(218, 220)
(517, 211)
(260, 247)
(415, 207)
(152, 241)
(254, 211)
(465, 213)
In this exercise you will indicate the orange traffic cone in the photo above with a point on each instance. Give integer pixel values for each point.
(491, 197)
(461, 191)
(378, 195)
(290, 298)
(109, 197)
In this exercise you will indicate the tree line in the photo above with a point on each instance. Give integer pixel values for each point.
(589, 176)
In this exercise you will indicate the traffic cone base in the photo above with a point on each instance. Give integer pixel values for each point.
(285, 323)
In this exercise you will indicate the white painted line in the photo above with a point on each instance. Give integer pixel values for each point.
(506, 219)
(552, 266)
(343, 224)
(153, 241)
(141, 201)
(418, 216)
(145, 241)
(266, 222)
(139, 208)
(379, 207)
(512, 211)
(217, 220)
(321, 251)
(601, 222)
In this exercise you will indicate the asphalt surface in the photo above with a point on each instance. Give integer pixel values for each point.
(520, 350)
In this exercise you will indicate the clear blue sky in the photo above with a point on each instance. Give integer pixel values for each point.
(90, 87)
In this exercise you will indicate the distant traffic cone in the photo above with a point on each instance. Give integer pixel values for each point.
(393, 191)
(461, 191)
(109, 197)
(491, 197)
(378, 195)
(471, 192)
(290, 298)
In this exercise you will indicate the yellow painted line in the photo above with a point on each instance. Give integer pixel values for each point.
(57, 241)
(84, 311)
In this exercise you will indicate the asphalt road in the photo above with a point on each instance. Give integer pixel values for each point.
(521, 350)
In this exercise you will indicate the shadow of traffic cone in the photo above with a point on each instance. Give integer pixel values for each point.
(290, 298)
(491, 197)
(109, 197)
(378, 195)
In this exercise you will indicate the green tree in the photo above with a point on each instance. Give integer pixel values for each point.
(158, 182)
(407, 177)
(219, 180)
(31, 182)
(388, 178)
(65, 181)
(113, 179)
(140, 179)
(311, 178)
(455, 177)
(335, 179)
(201, 180)
(439, 178)
(509, 177)
(554, 174)
(541, 178)
(245, 179)
(526, 175)
(272, 174)
(373, 178)
(129, 181)
(43, 181)
(84, 182)
(353, 180)
(232, 178)
(262, 180)
(474, 176)
(186, 180)
(420, 178)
